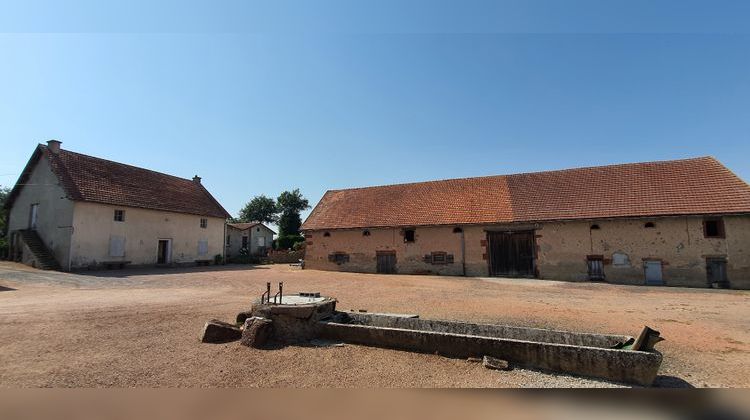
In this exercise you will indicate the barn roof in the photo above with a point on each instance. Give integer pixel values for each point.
(88, 178)
(699, 186)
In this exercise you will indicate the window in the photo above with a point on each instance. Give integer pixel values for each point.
(202, 247)
(457, 230)
(595, 227)
(439, 257)
(338, 258)
(713, 228)
(649, 225)
(327, 234)
(119, 215)
(116, 246)
(261, 241)
(257, 229)
(409, 235)
(366, 233)
(204, 223)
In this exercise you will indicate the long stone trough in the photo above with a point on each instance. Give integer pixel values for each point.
(582, 354)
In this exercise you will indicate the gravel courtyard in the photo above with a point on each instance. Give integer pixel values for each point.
(140, 328)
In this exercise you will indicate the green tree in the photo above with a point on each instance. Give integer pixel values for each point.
(260, 209)
(4, 192)
(290, 204)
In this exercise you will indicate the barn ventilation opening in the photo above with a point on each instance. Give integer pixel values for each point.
(595, 267)
(409, 235)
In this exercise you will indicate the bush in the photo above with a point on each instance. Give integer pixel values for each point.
(298, 246)
(288, 241)
(218, 259)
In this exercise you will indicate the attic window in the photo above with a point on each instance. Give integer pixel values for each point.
(649, 225)
(713, 228)
(409, 235)
(327, 234)
(595, 227)
(457, 230)
(204, 223)
(119, 215)
(257, 229)
(366, 233)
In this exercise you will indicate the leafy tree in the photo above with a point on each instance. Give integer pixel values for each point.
(260, 209)
(290, 204)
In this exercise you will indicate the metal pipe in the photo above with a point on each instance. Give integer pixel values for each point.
(266, 294)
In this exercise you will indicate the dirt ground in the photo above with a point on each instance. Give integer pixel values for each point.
(140, 328)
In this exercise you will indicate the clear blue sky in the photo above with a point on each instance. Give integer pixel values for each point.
(259, 97)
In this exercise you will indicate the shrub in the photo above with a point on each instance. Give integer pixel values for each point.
(288, 241)
(218, 259)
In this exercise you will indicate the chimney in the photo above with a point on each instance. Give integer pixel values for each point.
(197, 179)
(54, 146)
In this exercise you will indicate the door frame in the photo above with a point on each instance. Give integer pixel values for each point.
(646, 261)
(534, 256)
(168, 259)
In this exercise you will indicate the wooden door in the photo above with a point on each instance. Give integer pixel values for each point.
(716, 272)
(653, 273)
(386, 262)
(511, 254)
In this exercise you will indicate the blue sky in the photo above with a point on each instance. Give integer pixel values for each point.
(259, 97)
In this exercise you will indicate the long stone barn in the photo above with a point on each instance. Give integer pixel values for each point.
(675, 223)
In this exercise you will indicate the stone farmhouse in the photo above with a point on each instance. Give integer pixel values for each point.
(677, 223)
(71, 211)
(255, 237)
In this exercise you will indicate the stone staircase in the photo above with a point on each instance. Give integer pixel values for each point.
(45, 259)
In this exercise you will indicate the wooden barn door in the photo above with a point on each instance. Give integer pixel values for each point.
(386, 262)
(511, 254)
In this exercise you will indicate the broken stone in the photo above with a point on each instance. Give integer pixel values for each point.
(325, 343)
(257, 331)
(473, 360)
(242, 316)
(495, 363)
(216, 331)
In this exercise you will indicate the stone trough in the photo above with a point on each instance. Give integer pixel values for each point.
(582, 354)
(300, 319)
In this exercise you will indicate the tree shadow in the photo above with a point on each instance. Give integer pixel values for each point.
(666, 381)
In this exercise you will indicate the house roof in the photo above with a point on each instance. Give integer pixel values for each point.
(678, 187)
(245, 226)
(87, 178)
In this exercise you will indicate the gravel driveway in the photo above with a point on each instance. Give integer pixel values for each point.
(127, 328)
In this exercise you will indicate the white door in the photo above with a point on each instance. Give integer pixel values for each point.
(33, 216)
(653, 272)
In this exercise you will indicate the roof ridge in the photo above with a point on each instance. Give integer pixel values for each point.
(119, 163)
(614, 165)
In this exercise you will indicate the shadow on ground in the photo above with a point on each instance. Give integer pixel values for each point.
(155, 271)
(6, 289)
(665, 381)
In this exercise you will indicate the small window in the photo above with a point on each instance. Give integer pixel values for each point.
(409, 235)
(204, 223)
(713, 228)
(439, 257)
(327, 234)
(649, 225)
(595, 267)
(457, 230)
(119, 215)
(595, 227)
(338, 258)
(366, 233)
(257, 229)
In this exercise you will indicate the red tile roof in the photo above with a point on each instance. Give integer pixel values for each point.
(679, 187)
(87, 178)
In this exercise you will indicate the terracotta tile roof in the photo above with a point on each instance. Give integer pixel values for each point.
(87, 178)
(248, 225)
(678, 187)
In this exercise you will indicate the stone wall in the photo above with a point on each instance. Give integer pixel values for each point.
(561, 249)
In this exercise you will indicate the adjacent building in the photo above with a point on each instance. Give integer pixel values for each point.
(71, 211)
(678, 223)
(256, 238)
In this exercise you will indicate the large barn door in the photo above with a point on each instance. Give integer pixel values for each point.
(511, 254)
(386, 262)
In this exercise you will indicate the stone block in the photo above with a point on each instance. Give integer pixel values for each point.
(495, 363)
(256, 332)
(216, 331)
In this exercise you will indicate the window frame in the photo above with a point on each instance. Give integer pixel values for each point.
(413, 236)
(204, 223)
(720, 232)
(121, 213)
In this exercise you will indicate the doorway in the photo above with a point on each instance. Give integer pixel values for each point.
(653, 272)
(511, 254)
(716, 272)
(33, 214)
(386, 262)
(164, 251)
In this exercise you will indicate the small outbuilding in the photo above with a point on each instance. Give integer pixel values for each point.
(254, 237)
(678, 223)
